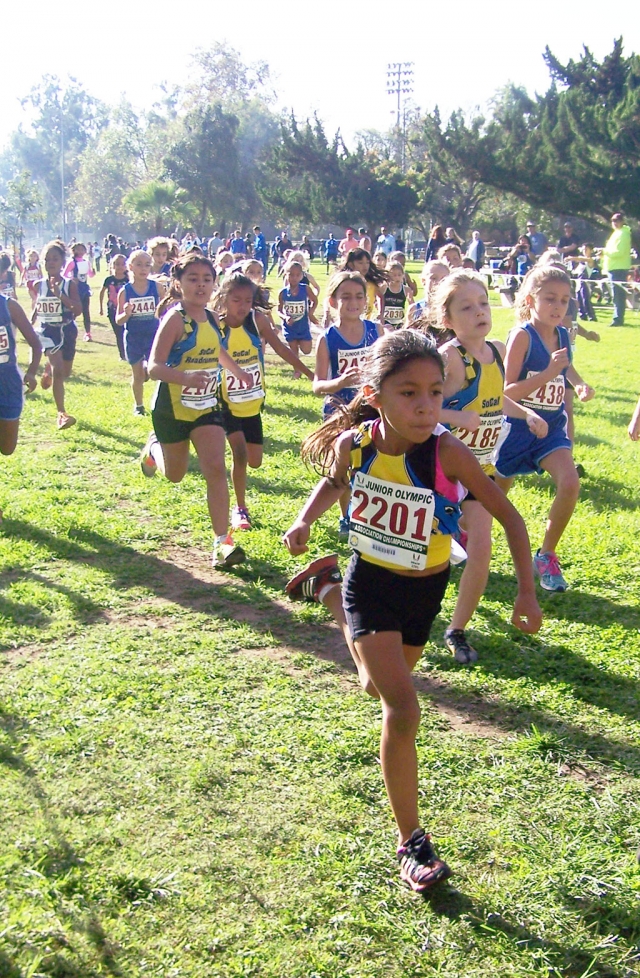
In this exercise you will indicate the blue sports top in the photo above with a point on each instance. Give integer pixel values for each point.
(344, 356)
(144, 306)
(547, 400)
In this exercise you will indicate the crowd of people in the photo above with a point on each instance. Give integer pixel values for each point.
(426, 421)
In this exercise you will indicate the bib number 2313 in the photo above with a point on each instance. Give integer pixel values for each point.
(390, 522)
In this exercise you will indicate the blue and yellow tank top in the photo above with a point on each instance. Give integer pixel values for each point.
(403, 508)
(244, 346)
(197, 349)
(483, 392)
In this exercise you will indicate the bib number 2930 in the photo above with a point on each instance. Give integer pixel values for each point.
(391, 523)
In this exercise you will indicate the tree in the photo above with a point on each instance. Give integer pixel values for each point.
(575, 150)
(157, 202)
(203, 160)
(66, 119)
(320, 181)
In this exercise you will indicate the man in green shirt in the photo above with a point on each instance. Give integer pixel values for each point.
(617, 262)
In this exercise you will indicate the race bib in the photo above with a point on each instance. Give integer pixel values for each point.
(484, 440)
(549, 397)
(5, 349)
(295, 310)
(394, 315)
(143, 305)
(49, 308)
(391, 523)
(32, 274)
(240, 395)
(350, 359)
(83, 270)
(200, 398)
(6, 291)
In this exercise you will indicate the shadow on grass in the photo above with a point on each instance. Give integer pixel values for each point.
(85, 611)
(566, 959)
(114, 435)
(537, 663)
(605, 495)
(55, 859)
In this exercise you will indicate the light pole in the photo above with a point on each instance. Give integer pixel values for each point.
(399, 83)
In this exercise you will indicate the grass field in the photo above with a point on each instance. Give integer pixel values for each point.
(189, 774)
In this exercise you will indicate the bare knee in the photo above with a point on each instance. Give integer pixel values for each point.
(403, 718)
(568, 484)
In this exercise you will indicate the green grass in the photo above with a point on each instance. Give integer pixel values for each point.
(189, 774)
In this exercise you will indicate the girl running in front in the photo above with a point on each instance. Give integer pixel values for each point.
(111, 287)
(473, 407)
(137, 303)
(340, 351)
(12, 317)
(57, 305)
(537, 363)
(295, 302)
(405, 476)
(32, 274)
(187, 347)
(245, 329)
(80, 269)
(395, 297)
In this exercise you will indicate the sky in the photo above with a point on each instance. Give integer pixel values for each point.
(326, 58)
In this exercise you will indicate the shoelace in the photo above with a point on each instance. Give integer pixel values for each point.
(553, 566)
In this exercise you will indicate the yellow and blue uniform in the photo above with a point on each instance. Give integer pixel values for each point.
(176, 408)
(242, 407)
(482, 393)
(402, 515)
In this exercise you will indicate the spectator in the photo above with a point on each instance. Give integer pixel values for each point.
(386, 242)
(305, 245)
(238, 246)
(539, 241)
(364, 239)
(348, 243)
(330, 250)
(569, 243)
(476, 250)
(215, 244)
(260, 248)
(452, 237)
(617, 262)
(437, 240)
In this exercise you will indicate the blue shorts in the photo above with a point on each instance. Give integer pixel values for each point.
(521, 452)
(11, 396)
(138, 341)
(300, 331)
(61, 337)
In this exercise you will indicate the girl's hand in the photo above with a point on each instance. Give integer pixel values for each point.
(101, 311)
(296, 537)
(30, 381)
(128, 309)
(527, 615)
(246, 380)
(584, 392)
(198, 378)
(55, 288)
(350, 378)
(592, 335)
(469, 420)
(634, 428)
(537, 425)
(559, 360)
